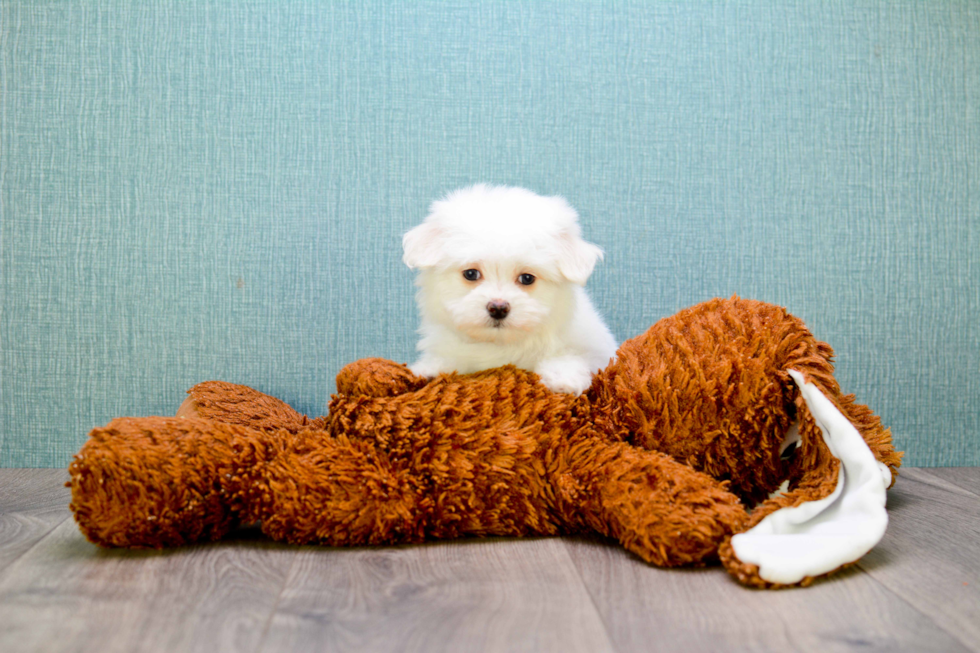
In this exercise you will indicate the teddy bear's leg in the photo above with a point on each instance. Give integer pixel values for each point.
(345, 491)
(833, 516)
(156, 482)
(339, 491)
(666, 512)
(231, 403)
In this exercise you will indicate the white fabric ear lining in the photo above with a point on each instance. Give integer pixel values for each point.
(820, 536)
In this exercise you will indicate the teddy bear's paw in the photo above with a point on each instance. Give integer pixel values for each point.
(817, 537)
(378, 377)
(230, 403)
(188, 409)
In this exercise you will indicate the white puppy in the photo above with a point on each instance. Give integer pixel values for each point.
(500, 282)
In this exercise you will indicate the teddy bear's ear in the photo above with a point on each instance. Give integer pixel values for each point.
(422, 246)
(577, 258)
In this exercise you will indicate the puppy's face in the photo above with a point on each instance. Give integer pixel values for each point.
(493, 301)
(498, 264)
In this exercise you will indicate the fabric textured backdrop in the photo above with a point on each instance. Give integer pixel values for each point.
(198, 190)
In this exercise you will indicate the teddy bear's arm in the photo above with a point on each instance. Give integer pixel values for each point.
(665, 512)
(231, 403)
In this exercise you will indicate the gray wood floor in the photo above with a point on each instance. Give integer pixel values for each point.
(919, 590)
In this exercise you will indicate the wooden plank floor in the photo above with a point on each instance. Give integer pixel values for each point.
(919, 590)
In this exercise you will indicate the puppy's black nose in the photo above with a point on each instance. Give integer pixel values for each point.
(497, 309)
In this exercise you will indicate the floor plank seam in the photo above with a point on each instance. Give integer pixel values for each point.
(588, 592)
(966, 645)
(5, 572)
(275, 606)
(929, 472)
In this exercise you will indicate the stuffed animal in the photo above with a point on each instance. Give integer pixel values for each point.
(728, 405)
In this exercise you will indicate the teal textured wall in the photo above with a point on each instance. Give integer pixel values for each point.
(196, 190)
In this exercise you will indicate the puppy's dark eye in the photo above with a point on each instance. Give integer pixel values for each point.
(471, 275)
(525, 279)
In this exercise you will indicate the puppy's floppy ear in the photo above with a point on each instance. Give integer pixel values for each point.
(422, 246)
(576, 258)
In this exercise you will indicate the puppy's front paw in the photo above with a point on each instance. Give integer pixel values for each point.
(565, 374)
(428, 367)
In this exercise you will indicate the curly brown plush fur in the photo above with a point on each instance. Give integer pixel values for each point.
(662, 453)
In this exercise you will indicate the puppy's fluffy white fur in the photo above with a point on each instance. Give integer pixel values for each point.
(505, 234)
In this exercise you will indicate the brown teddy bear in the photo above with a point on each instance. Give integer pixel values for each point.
(728, 404)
